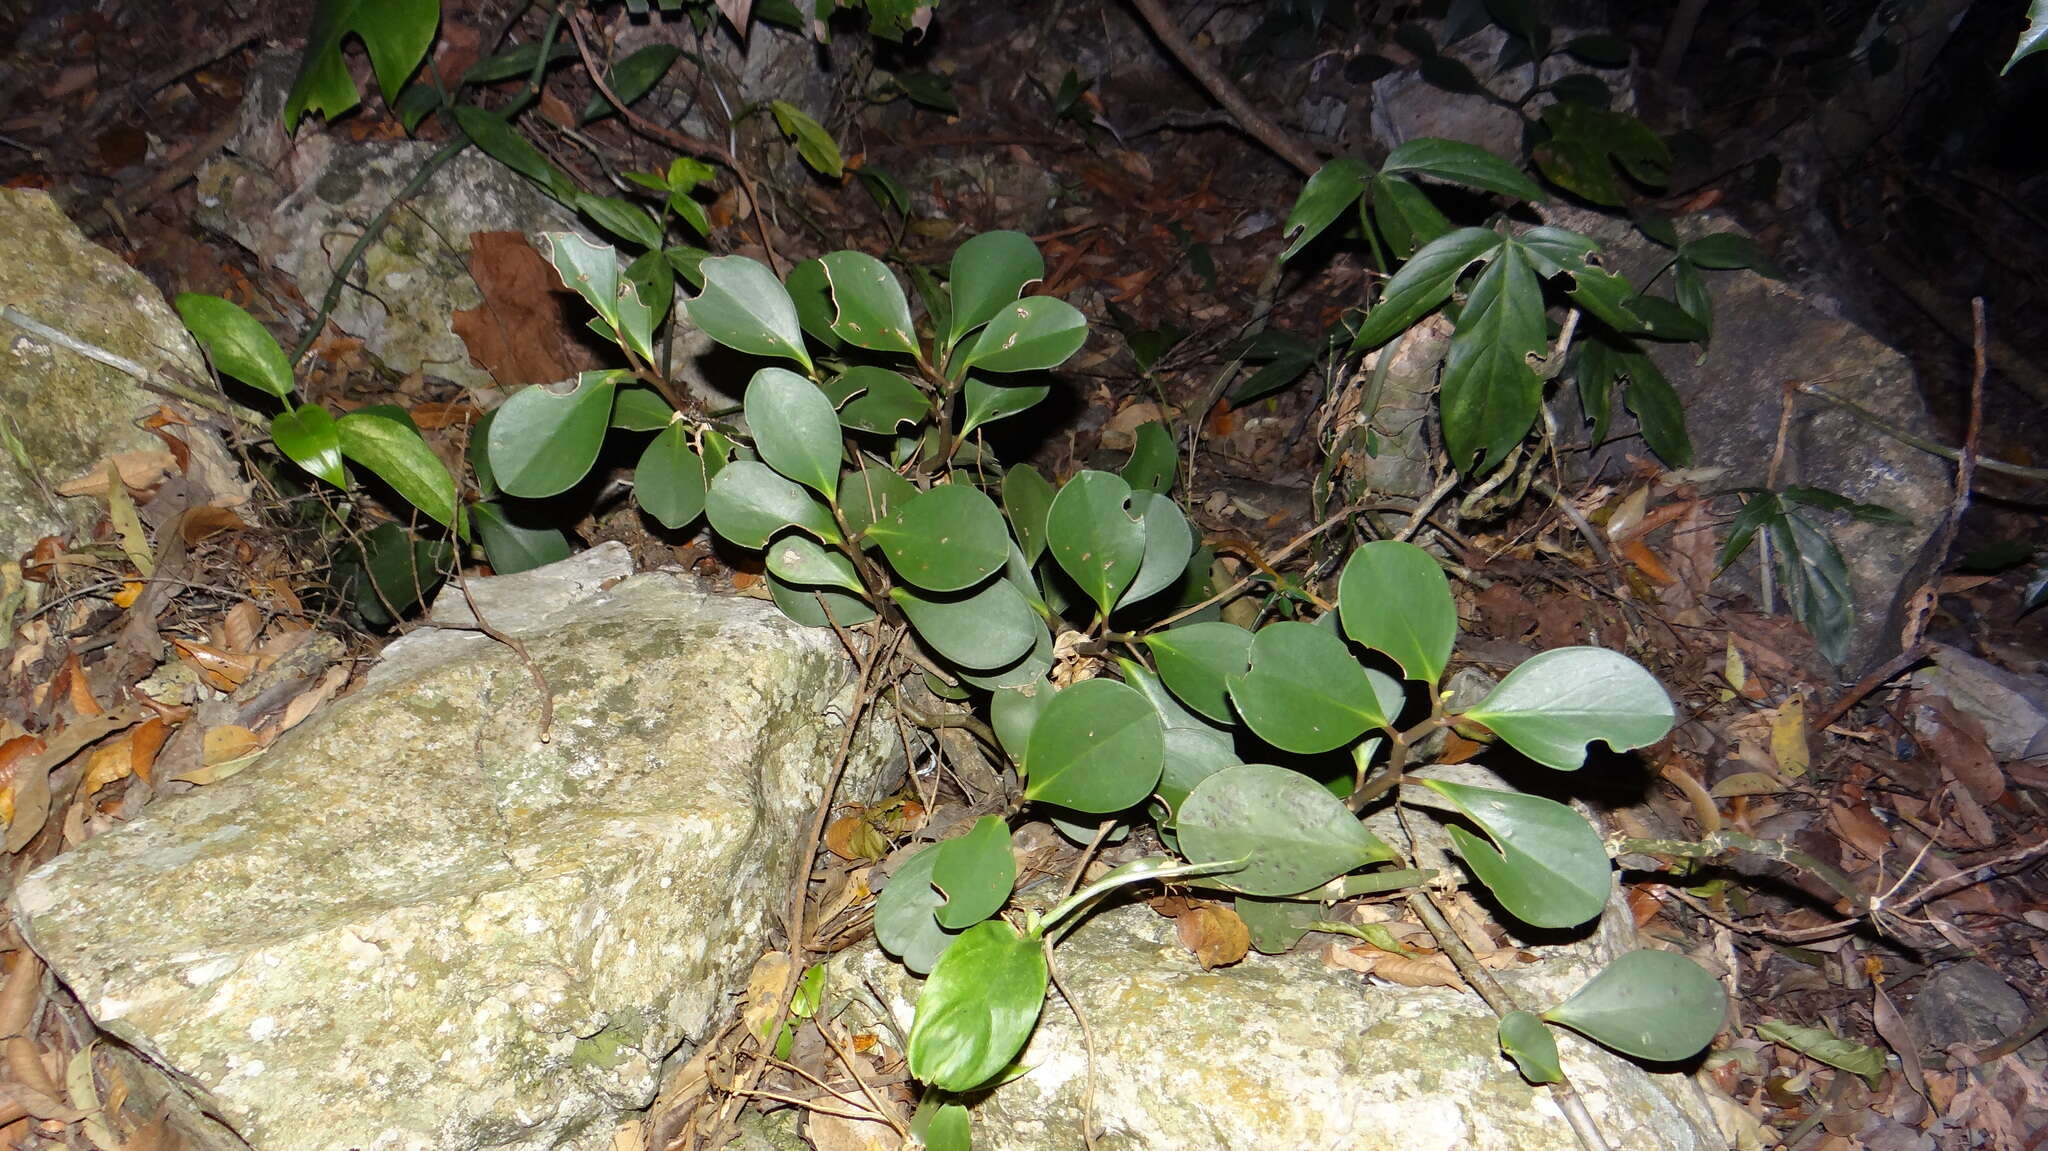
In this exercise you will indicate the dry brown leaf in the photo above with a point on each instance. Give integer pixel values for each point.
(143, 745)
(1956, 741)
(227, 741)
(1421, 971)
(831, 1132)
(140, 471)
(762, 1008)
(220, 669)
(77, 691)
(1214, 933)
(1856, 826)
(1638, 553)
(201, 522)
(1119, 433)
(521, 333)
(307, 702)
(110, 762)
(13, 753)
(853, 837)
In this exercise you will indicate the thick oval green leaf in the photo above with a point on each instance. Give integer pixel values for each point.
(1013, 712)
(1154, 459)
(1531, 1045)
(872, 399)
(590, 270)
(669, 480)
(307, 437)
(987, 403)
(1555, 704)
(1096, 536)
(1394, 599)
(978, 1008)
(810, 606)
(748, 503)
(795, 428)
(1326, 196)
(947, 1126)
(1028, 496)
(1030, 335)
(1649, 1004)
(638, 409)
(512, 546)
(1305, 693)
(1457, 162)
(872, 312)
(813, 142)
(392, 571)
(810, 292)
(800, 561)
(1193, 754)
(983, 630)
(1097, 747)
(541, 442)
(1547, 865)
(946, 539)
(238, 345)
(1034, 667)
(1294, 834)
(744, 308)
(394, 452)
(1423, 284)
(988, 272)
(906, 913)
(1168, 543)
(872, 493)
(975, 872)
(1197, 661)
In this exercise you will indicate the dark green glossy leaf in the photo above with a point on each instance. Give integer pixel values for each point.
(1658, 411)
(622, 218)
(870, 493)
(1197, 662)
(872, 312)
(1305, 693)
(1168, 543)
(1276, 925)
(810, 606)
(810, 292)
(887, 190)
(541, 443)
(669, 480)
(1837, 502)
(743, 307)
(978, 1007)
(872, 399)
(503, 143)
(1154, 459)
(1649, 1004)
(987, 273)
(1027, 497)
(1405, 215)
(307, 437)
(1457, 162)
(394, 571)
(1424, 283)
(637, 409)
(1032, 334)
(514, 62)
(906, 914)
(1490, 395)
(1531, 1045)
(394, 452)
(1663, 320)
(1013, 712)
(975, 872)
(1724, 251)
(1449, 74)
(1032, 668)
(748, 503)
(800, 561)
(1601, 51)
(396, 33)
(1096, 536)
(1587, 144)
(512, 546)
(944, 540)
(1546, 864)
(237, 344)
(1294, 834)
(590, 270)
(1326, 196)
(1097, 747)
(983, 630)
(1394, 599)
(632, 78)
(1560, 700)
(795, 428)
(987, 403)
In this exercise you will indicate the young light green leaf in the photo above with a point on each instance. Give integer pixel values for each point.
(943, 1126)
(1168, 543)
(394, 452)
(632, 78)
(978, 1007)
(800, 561)
(748, 503)
(1490, 394)
(795, 428)
(512, 546)
(1561, 700)
(1456, 162)
(1032, 334)
(976, 872)
(1424, 283)
(1649, 1004)
(946, 539)
(1531, 1045)
(1547, 865)
(1294, 834)
(987, 403)
(813, 142)
(397, 34)
(1394, 599)
(1822, 1044)
(1097, 536)
(1305, 693)
(542, 443)
(1028, 497)
(992, 627)
(1197, 662)
(906, 914)
(872, 399)
(743, 307)
(872, 312)
(1154, 459)
(307, 437)
(590, 270)
(1326, 196)
(237, 344)
(1097, 747)
(870, 492)
(669, 479)
(622, 218)
(988, 271)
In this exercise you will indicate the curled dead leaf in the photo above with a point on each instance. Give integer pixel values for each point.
(1214, 933)
(762, 1008)
(199, 523)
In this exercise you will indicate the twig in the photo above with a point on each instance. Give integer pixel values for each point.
(157, 381)
(1428, 504)
(1827, 717)
(540, 682)
(1087, 1046)
(1865, 415)
(1293, 545)
(1966, 466)
(1224, 91)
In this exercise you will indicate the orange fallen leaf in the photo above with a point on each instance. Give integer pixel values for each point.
(227, 741)
(1214, 933)
(199, 523)
(1638, 553)
(131, 590)
(238, 628)
(853, 837)
(220, 669)
(139, 470)
(110, 762)
(143, 744)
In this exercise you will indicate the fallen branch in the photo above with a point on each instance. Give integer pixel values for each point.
(1219, 86)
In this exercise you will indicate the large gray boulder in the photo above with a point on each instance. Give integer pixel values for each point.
(63, 411)
(414, 927)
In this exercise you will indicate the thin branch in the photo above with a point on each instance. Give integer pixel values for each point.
(1225, 92)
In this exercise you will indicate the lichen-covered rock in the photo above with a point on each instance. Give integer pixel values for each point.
(67, 412)
(1280, 1051)
(414, 927)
